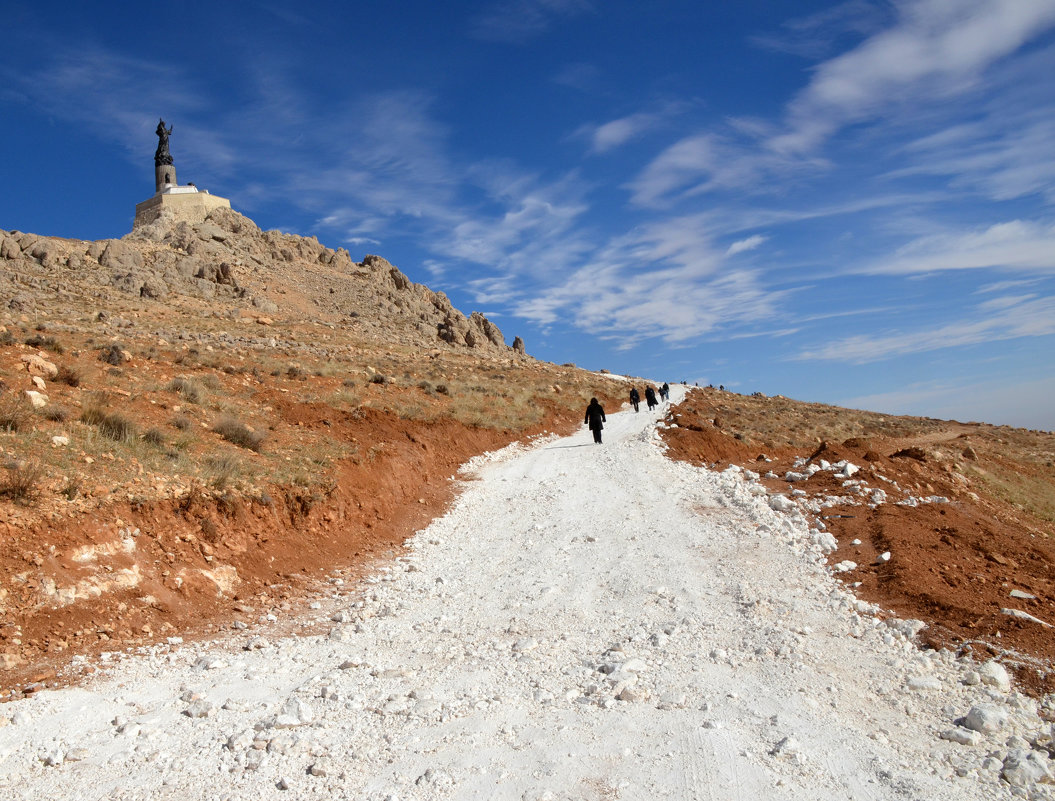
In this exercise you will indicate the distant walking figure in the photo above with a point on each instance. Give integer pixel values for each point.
(664, 391)
(650, 398)
(595, 419)
(635, 398)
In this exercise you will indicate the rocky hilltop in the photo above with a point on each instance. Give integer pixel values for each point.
(197, 421)
(228, 262)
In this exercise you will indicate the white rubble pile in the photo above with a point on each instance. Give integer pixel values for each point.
(585, 622)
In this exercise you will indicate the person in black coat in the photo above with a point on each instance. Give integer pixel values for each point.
(635, 398)
(595, 419)
(664, 391)
(650, 398)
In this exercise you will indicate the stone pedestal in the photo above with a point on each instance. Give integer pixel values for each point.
(164, 177)
(185, 203)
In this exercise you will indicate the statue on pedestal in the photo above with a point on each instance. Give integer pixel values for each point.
(162, 156)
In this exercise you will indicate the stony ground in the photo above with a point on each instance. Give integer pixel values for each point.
(230, 419)
(948, 522)
(587, 622)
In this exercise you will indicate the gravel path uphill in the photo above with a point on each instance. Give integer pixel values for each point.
(586, 622)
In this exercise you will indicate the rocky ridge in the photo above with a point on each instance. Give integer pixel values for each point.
(240, 270)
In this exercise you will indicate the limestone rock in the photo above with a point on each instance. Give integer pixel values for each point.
(986, 718)
(995, 675)
(120, 256)
(37, 365)
(1023, 767)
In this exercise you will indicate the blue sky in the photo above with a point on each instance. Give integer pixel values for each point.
(847, 202)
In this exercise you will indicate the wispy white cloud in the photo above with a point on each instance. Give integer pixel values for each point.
(1014, 245)
(815, 35)
(989, 322)
(580, 75)
(613, 134)
(113, 97)
(1001, 286)
(751, 243)
(666, 281)
(532, 229)
(517, 21)
(936, 49)
(706, 162)
(999, 146)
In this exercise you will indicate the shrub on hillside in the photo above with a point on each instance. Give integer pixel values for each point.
(187, 388)
(182, 422)
(45, 343)
(113, 354)
(70, 376)
(56, 414)
(110, 424)
(22, 482)
(154, 436)
(238, 433)
(14, 413)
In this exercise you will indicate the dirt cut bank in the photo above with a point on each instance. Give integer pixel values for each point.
(960, 534)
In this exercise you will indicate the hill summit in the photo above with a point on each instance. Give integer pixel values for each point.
(239, 270)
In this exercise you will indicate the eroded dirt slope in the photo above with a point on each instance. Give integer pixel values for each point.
(958, 565)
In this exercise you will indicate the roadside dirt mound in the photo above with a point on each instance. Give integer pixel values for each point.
(969, 562)
(132, 574)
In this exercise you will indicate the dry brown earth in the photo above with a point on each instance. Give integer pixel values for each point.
(246, 412)
(952, 564)
(232, 433)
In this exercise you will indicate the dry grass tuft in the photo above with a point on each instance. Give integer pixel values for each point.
(110, 424)
(15, 413)
(22, 482)
(154, 436)
(45, 343)
(70, 376)
(238, 433)
(187, 388)
(224, 468)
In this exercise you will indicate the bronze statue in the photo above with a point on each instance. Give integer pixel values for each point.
(162, 156)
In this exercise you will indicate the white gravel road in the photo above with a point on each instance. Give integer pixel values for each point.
(587, 622)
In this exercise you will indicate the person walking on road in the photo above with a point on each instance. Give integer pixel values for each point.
(635, 398)
(650, 398)
(595, 419)
(664, 391)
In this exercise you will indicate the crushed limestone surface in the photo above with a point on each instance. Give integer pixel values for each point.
(587, 622)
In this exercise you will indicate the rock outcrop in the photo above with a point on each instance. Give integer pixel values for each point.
(229, 261)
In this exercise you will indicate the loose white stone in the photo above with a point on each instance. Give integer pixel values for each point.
(1018, 614)
(788, 745)
(824, 540)
(525, 644)
(1023, 768)
(923, 683)
(963, 736)
(993, 674)
(986, 718)
(200, 708)
(845, 566)
(53, 758)
(240, 742)
(781, 503)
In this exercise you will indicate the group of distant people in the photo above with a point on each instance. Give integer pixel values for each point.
(595, 418)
